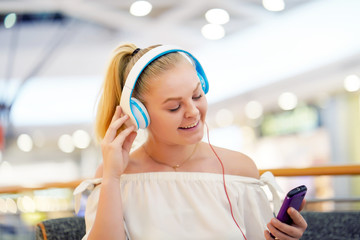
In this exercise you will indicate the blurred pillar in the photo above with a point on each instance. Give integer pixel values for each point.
(341, 118)
(2, 137)
(334, 117)
(354, 139)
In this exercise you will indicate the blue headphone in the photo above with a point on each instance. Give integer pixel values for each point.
(132, 106)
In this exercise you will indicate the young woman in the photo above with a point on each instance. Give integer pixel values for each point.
(174, 186)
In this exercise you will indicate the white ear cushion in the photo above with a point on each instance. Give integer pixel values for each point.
(140, 113)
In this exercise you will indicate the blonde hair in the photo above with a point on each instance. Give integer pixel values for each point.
(121, 62)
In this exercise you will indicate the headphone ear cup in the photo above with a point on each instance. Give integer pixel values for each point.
(204, 84)
(140, 113)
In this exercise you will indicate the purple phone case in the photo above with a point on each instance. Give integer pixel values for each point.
(293, 199)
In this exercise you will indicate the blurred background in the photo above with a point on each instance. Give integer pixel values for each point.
(284, 88)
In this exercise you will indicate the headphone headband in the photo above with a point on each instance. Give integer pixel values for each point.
(128, 103)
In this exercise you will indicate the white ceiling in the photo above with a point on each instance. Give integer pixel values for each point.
(169, 20)
(310, 41)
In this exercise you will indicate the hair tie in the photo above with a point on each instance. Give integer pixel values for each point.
(135, 51)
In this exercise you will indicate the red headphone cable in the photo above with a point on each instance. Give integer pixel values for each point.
(223, 175)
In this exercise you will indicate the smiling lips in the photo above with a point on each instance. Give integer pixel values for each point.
(190, 126)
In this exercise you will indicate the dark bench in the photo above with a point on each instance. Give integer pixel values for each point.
(321, 226)
(332, 225)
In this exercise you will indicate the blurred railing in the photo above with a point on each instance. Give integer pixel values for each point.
(278, 172)
(16, 189)
(337, 170)
(315, 171)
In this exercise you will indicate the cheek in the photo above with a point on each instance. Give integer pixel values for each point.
(203, 108)
(164, 121)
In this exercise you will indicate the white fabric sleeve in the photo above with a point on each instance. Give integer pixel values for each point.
(257, 208)
(268, 179)
(93, 185)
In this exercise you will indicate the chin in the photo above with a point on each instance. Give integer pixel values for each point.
(198, 137)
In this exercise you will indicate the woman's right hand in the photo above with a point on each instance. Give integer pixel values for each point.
(116, 147)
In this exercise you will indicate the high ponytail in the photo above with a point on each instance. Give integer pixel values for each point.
(112, 86)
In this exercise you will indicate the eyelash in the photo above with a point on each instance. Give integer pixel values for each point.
(175, 109)
(198, 97)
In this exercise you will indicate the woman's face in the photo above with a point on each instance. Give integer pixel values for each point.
(177, 106)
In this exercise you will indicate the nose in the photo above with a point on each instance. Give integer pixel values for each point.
(191, 110)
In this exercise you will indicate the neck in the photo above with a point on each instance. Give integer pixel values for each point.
(174, 156)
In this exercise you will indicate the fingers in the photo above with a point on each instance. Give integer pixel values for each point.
(122, 137)
(129, 141)
(116, 122)
(280, 230)
(284, 231)
(117, 114)
(297, 218)
(267, 235)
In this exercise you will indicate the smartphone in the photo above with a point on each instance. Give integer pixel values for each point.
(293, 199)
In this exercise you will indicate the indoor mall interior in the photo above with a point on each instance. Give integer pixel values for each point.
(284, 89)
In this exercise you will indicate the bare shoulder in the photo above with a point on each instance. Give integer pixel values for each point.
(237, 163)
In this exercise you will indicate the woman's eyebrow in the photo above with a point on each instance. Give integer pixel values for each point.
(179, 98)
(197, 86)
(172, 99)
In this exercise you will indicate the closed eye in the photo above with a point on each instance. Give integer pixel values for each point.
(174, 109)
(178, 107)
(197, 97)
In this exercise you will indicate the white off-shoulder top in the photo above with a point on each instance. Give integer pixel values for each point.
(188, 205)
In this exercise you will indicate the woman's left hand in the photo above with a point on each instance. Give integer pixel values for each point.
(284, 231)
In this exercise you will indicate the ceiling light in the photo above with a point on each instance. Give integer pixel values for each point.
(287, 101)
(217, 16)
(274, 5)
(253, 110)
(352, 83)
(25, 143)
(81, 139)
(213, 31)
(66, 144)
(10, 20)
(140, 8)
